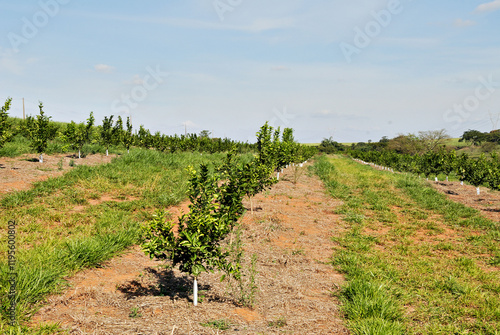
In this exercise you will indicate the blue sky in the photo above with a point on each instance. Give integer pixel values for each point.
(354, 70)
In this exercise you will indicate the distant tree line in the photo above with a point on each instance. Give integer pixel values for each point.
(475, 137)
(411, 144)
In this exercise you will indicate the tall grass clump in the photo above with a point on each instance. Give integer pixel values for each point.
(17, 146)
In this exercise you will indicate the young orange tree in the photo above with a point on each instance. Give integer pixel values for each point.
(5, 134)
(39, 131)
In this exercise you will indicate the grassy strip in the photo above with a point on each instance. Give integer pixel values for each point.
(20, 145)
(369, 301)
(83, 218)
(415, 262)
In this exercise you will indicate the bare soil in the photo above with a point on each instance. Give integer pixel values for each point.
(488, 201)
(19, 173)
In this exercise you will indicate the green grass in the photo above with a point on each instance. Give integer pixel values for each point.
(217, 324)
(454, 143)
(60, 232)
(415, 262)
(17, 146)
(20, 145)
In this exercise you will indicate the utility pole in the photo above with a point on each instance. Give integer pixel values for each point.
(494, 121)
(24, 113)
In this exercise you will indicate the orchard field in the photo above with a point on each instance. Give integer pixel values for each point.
(246, 239)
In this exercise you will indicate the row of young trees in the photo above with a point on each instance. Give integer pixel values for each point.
(74, 136)
(40, 130)
(188, 142)
(195, 241)
(37, 128)
(476, 171)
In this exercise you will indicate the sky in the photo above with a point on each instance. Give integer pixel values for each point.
(352, 70)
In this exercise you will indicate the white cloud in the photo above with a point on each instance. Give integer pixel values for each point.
(464, 23)
(103, 68)
(488, 6)
(136, 80)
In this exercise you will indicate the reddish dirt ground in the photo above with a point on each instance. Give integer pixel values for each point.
(488, 201)
(20, 172)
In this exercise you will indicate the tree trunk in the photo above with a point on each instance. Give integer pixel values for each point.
(195, 292)
(79, 156)
(41, 158)
(278, 176)
(477, 190)
(106, 152)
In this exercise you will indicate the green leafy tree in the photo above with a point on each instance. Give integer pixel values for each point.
(474, 137)
(117, 132)
(461, 167)
(493, 178)
(128, 139)
(196, 248)
(429, 164)
(107, 132)
(448, 162)
(77, 135)
(5, 133)
(40, 132)
(254, 178)
(89, 128)
(194, 243)
(476, 171)
(72, 136)
(204, 134)
(264, 145)
(329, 146)
(144, 137)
